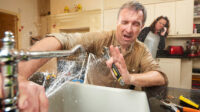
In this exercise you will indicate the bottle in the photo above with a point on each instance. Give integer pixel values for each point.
(193, 48)
(194, 28)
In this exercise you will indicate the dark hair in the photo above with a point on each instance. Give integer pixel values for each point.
(152, 26)
(136, 6)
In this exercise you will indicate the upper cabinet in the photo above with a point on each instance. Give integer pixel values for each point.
(197, 16)
(184, 16)
(110, 19)
(167, 9)
(83, 21)
(180, 14)
(150, 14)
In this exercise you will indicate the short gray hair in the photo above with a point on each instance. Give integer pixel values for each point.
(136, 6)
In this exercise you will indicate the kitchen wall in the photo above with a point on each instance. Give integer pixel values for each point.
(177, 42)
(28, 13)
(182, 42)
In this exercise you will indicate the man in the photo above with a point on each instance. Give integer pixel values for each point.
(133, 60)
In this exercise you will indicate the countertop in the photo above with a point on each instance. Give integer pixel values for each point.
(174, 93)
(165, 54)
(177, 56)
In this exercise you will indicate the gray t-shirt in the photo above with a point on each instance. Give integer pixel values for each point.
(152, 41)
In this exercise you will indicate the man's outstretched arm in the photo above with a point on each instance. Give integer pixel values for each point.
(27, 68)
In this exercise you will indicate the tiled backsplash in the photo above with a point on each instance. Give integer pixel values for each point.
(182, 42)
(177, 42)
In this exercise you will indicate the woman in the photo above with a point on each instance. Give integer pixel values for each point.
(154, 36)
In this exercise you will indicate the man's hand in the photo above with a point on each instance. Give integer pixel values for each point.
(32, 97)
(1, 86)
(118, 59)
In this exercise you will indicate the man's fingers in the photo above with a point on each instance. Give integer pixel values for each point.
(29, 97)
(43, 101)
(114, 51)
(1, 86)
(109, 62)
(22, 101)
(122, 61)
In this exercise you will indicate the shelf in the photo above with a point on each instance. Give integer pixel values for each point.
(185, 36)
(196, 74)
(196, 17)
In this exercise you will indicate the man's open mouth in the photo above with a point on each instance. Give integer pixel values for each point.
(127, 36)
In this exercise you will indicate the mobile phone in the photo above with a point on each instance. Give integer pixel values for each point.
(162, 30)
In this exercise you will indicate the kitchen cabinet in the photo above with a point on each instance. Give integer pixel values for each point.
(171, 67)
(180, 14)
(184, 16)
(167, 9)
(83, 21)
(150, 14)
(110, 19)
(178, 71)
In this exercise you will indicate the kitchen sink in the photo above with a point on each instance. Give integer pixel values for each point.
(75, 97)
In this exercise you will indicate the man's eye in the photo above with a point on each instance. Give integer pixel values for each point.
(124, 22)
(136, 24)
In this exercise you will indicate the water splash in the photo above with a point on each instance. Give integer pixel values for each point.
(73, 69)
(68, 70)
(91, 59)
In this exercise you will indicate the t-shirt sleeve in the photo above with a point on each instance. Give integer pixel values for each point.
(68, 40)
(149, 64)
(91, 41)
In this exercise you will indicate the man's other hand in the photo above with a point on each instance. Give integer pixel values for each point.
(32, 97)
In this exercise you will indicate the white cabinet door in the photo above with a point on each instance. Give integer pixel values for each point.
(110, 19)
(178, 71)
(186, 73)
(172, 68)
(150, 14)
(184, 16)
(167, 9)
(180, 14)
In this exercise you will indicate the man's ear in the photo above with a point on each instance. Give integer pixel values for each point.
(142, 26)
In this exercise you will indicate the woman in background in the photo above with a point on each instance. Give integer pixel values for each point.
(154, 36)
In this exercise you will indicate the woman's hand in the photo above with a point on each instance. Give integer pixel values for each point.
(162, 33)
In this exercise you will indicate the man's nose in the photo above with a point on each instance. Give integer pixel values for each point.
(129, 28)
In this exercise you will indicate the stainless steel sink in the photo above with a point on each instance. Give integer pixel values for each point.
(74, 97)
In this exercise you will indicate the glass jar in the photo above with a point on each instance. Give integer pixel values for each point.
(193, 48)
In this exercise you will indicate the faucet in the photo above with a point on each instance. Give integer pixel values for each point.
(9, 58)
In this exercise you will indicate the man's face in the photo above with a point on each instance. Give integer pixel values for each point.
(129, 25)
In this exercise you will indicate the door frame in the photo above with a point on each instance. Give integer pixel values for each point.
(18, 34)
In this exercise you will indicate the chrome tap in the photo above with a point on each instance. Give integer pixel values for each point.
(9, 58)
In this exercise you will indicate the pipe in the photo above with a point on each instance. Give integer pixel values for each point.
(9, 58)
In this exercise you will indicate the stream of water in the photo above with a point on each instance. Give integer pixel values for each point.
(70, 70)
